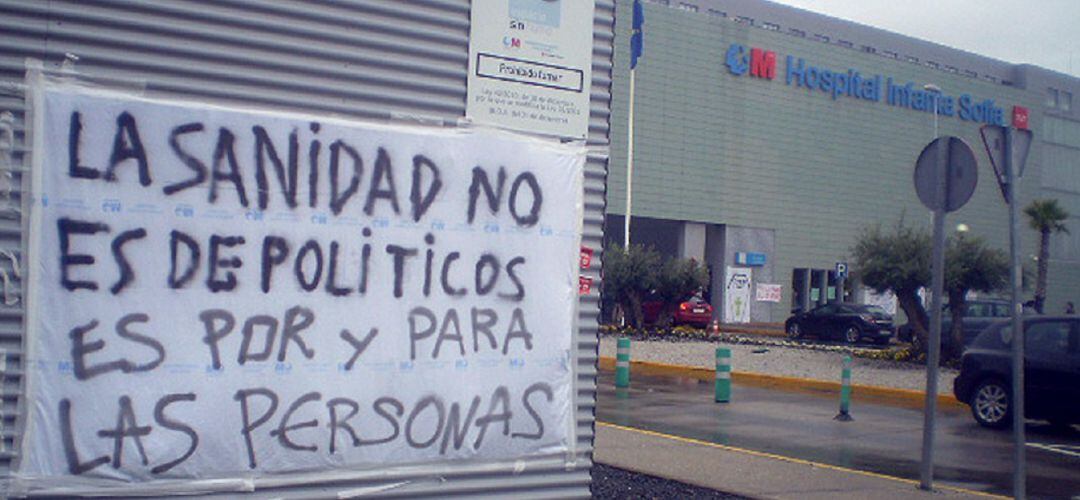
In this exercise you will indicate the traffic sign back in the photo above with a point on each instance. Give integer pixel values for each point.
(994, 137)
(961, 177)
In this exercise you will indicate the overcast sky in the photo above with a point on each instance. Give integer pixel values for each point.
(1041, 32)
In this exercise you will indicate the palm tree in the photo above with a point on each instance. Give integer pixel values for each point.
(1046, 217)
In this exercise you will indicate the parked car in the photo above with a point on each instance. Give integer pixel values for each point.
(694, 311)
(847, 322)
(1051, 372)
(980, 314)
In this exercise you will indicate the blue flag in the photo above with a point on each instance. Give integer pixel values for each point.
(637, 41)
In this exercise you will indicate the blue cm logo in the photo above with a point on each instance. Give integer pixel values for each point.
(738, 61)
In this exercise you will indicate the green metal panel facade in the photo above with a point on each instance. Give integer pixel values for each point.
(1061, 180)
(717, 148)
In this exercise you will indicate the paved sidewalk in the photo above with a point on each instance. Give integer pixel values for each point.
(749, 473)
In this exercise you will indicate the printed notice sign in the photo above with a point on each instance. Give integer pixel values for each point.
(222, 293)
(737, 284)
(530, 65)
(768, 292)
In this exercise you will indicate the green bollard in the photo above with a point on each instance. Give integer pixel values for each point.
(723, 375)
(845, 391)
(622, 363)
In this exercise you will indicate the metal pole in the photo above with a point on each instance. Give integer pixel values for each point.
(3, 377)
(937, 266)
(629, 164)
(1019, 475)
(935, 116)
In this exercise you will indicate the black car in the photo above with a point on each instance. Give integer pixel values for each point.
(980, 314)
(1051, 372)
(847, 322)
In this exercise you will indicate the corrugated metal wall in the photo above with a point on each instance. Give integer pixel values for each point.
(370, 59)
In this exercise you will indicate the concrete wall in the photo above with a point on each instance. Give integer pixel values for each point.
(692, 241)
(747, 239)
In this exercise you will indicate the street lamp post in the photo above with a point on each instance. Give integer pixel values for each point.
(937, 93)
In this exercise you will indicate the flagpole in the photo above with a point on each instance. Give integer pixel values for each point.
(629, 164)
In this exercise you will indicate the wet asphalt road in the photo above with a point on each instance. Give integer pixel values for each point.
(881, 439)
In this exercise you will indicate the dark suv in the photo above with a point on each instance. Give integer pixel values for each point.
(1051, 372)
(980, 314)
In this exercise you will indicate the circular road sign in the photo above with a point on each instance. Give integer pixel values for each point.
(962, 173)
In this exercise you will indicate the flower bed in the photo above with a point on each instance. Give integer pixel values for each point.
(902, 353)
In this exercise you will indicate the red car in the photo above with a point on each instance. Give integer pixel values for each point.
(695, 312)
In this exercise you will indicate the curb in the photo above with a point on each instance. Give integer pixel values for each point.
(907, 398)
(753, 331)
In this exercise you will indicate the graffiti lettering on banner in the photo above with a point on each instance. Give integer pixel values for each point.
(222, 292)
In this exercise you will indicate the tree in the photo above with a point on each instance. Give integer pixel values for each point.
(676, 281)
(897, 261)
(1046, 217)
(970, 264)
(900, 261)
(629, 274)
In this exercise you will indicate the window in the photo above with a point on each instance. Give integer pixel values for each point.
(1001, 311)
(933, 64)
(845, 43)
(826, 310)
(798, 33)
(994, 337)
(868, 49)
(1051, 98)
(977, 311)
(771, 26)
(717, 13)
(1047, 338)
(688, 7)
(821, 38)
(911, 59)
(890, 54)
(744, 20)
(1065, 101)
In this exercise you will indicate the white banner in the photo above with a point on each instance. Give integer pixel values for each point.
(737, 295)
(222, 293)
(767, 292)
(530, 65)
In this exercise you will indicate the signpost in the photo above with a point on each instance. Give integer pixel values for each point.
(841, 277)
(530, 66)
(1008, 149)
(945, 178)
